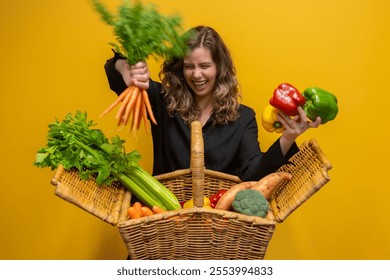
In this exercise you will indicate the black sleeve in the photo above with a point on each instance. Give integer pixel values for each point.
(269, 161)
(115, 79)
(260, 164)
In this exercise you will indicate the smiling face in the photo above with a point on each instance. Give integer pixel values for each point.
(200, 71)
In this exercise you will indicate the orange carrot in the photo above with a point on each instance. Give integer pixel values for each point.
(148, 106)
(115, 103)
(136, 111)
(122, 108)
(126, 114)
(132, 119)
(137, 206)
(146, 211)
(141, 106)
(133, 213)
(144, 114)
(157, 210)
(134, 93)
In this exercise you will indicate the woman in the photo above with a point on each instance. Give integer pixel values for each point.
(203, 86)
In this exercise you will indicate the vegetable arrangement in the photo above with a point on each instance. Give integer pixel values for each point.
(249, 198)
(73, 143)
(141, 31)
(225, 202)
(286, 98)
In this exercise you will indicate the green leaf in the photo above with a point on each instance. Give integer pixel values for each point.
(141, 31)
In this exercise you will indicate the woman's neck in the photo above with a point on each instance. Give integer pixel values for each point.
(206, 109)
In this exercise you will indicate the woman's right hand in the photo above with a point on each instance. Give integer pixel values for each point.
(137, 74)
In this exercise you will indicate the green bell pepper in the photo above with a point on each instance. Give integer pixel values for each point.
(320, 103)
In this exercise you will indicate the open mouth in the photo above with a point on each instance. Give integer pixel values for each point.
(199, 84)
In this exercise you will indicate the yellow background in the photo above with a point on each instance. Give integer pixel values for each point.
(52, 57)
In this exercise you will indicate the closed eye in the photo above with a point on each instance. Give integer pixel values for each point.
(188, 66)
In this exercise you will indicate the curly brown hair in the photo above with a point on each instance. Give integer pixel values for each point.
(179, 95)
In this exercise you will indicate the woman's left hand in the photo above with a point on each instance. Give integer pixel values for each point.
(295, 126)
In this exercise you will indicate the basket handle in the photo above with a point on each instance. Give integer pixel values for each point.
(320, 154)
(57, 175)
(197, 163)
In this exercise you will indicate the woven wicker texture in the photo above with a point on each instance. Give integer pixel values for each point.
(309, 169)
(105, 202)
(198, 233)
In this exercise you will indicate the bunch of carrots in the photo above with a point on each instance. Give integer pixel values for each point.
(135, 103)
(141, 31)
(137, 210)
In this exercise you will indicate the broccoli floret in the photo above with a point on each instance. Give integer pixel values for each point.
(251, 202)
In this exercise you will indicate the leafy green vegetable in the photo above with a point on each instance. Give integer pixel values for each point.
(141, 31)
(74, 144)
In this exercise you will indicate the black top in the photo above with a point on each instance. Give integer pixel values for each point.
(232, 148)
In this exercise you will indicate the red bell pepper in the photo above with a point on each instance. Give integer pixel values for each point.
(214, 198)
(287, 98)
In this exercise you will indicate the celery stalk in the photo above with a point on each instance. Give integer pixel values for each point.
(155, 187)
(138, 191)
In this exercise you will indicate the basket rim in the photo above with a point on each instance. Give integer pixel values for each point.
(188, 171)
(254, 220)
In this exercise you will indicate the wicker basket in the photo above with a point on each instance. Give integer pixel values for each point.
(198, 232)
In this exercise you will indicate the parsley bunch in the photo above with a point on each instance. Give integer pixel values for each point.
(74, 143)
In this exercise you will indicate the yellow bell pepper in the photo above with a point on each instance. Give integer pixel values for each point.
(270, 121)
(190, 203)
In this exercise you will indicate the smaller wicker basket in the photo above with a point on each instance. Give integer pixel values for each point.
(198, 233)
